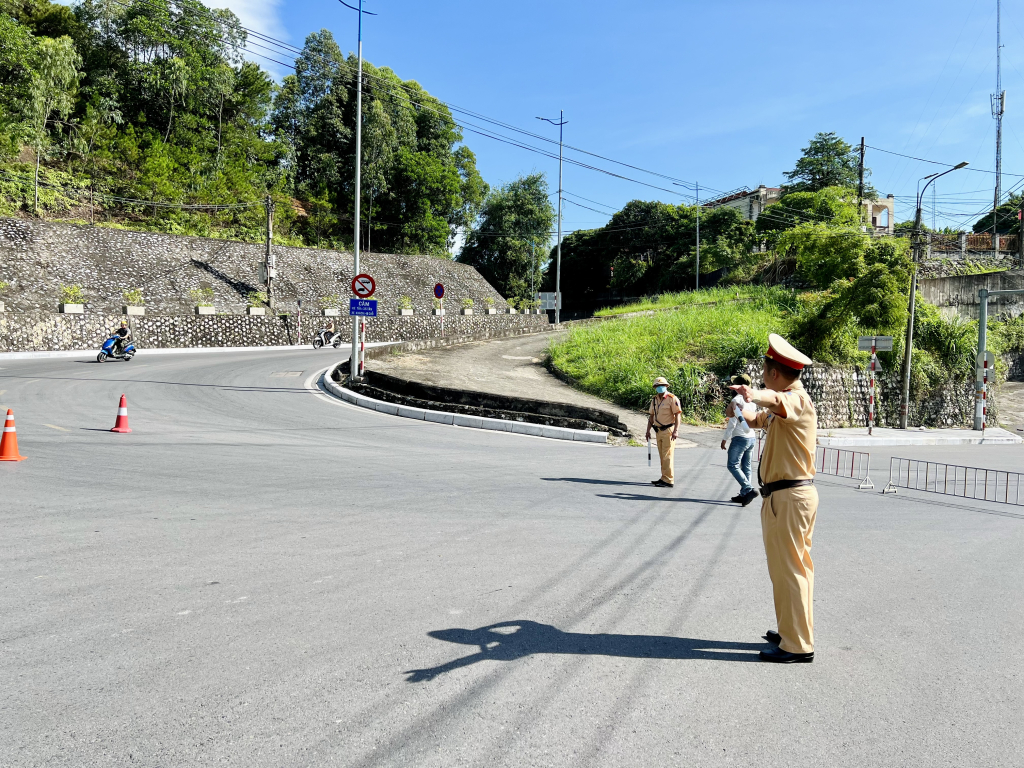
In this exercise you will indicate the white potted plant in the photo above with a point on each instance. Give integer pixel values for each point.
(489, 303)
(134, 302)
(329, 305)
(203, 299)
(72, 300)
(257, 301)
(3, 287)
(438, 307)
(405, 305)
(467, 306)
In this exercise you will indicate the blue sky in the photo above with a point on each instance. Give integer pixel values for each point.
(725, 93)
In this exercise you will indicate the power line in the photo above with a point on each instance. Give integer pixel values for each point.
(936, 162)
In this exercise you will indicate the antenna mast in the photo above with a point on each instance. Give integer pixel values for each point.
(998, 105)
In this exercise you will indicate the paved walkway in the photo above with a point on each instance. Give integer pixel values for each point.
(858, 436)
(515, 367)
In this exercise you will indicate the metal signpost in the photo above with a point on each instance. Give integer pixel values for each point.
(986, 363)
(363, 286)
(439, 295)
(873, 344)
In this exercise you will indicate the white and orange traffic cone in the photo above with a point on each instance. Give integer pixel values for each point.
(9, 441)
(121, 425)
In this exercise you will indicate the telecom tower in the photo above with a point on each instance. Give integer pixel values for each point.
(998, 105)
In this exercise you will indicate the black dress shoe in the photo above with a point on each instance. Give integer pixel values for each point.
(661, 484)
(773, 637)
(779, 656)
(749, 498)
(737, 498)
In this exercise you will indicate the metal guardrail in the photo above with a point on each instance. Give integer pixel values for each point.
(837, 462)
(978, 483)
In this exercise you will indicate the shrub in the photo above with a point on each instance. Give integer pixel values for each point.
(467, 303)
(404, 302)
(437, 303)
(489, 302)
(257, 298)
(72, 294)
(133, 297)
(329, 302)
(202, 297)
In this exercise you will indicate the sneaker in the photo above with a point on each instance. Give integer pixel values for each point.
(737, 498)
(749, 498)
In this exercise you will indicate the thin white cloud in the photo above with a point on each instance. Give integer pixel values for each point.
(261, 16)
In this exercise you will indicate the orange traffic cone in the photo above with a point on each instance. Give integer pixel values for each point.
(9, 442)
(121, 425)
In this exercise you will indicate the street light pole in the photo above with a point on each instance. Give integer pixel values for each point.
(355, 371)
(697, 187)
(908, 349)
(558, 258)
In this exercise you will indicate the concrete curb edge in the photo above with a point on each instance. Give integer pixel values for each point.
(457, 419)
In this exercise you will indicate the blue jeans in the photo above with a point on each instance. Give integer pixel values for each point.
(741, 453)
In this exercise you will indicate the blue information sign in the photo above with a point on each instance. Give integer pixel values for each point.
(362, 307)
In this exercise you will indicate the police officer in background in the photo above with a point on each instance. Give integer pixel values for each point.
(665, 417)
(790, 500)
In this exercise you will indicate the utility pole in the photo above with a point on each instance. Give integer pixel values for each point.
(558, 258)
(355, 367)
(697, 284)
(268, 204)
(860, 182)
(998, 105)
(909, 342)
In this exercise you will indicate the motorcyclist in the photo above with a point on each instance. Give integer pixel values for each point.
(123, 336)
(329, 331)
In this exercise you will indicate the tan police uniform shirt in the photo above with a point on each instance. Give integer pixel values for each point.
(665, 409)
(792, 436)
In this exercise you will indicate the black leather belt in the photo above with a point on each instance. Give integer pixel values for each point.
(659, 428)
(781, 485)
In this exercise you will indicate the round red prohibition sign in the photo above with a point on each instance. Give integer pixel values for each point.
(363, 286)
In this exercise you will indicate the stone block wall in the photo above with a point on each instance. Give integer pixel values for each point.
(36, 258)
(840, 396)
(46, 331)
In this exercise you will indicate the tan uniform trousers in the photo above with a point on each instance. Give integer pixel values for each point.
(667, 450)
(787, 524)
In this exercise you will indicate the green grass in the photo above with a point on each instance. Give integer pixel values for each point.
(705, 340)
(736, 295)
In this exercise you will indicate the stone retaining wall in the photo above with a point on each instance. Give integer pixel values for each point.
(840, 396)
(37, 258)
(46, 331)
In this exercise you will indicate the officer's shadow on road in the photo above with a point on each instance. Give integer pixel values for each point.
(511, 640)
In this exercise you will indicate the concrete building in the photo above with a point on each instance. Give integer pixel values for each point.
(750, 203)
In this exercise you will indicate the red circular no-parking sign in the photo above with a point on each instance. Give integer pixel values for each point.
(363, 286)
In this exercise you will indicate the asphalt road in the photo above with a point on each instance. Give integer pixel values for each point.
(259, 575)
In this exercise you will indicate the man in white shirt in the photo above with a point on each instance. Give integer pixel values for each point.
(739, 441)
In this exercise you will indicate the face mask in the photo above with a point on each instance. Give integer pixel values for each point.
(661, 390)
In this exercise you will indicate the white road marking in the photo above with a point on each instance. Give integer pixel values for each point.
(286, 373)
(54, 426)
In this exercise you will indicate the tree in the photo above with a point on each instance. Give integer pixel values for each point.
(827, 161)
(1009, 224)
(513, 231)
(834, 206)
(54, 81)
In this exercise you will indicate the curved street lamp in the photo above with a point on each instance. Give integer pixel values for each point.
(908, 350)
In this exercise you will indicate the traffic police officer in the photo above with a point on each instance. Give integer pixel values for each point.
(790, 500)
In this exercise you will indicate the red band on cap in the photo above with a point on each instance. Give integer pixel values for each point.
(796, 366)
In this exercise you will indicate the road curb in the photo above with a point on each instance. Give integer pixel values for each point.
(458, 419)
(167, 351)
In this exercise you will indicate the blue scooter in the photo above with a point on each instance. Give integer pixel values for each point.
(108, 351)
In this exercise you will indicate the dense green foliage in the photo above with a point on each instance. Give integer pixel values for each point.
(1009, 224)
(710, 337)
(650, 247)
(152, 100)
(514, 230)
